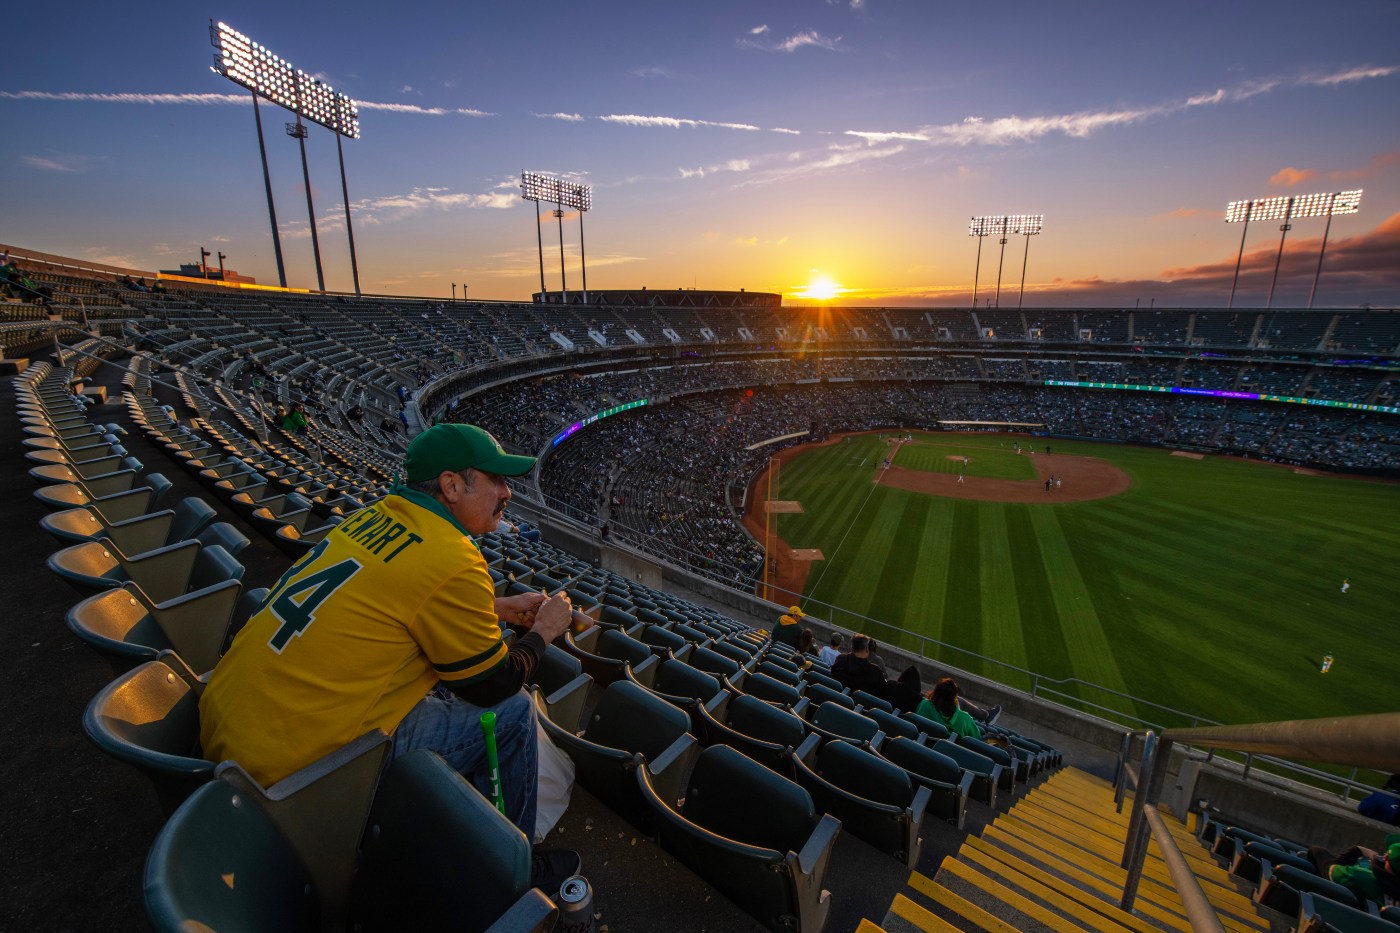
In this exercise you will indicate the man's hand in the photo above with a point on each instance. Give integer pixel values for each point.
(519, 609)
(552, 617)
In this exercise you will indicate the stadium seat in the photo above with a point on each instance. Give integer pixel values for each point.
(125, 624)
(149, 718)
(814, 676)
(892, 725)
(1282, 887)
(874, 799)
(1247, 855)
(779, 673)
(757, 729)
(712, 662)
(683, 686)
(833, 721)
(986, 774)
(563, 687)
(765, 848)
(773, 691)
(1317, 914)
(871, 701)
(820, 695)
(628, 721)
(234, 857)
(949, 784)
(665, 643)
(118, 505)
(162, 573)
(1013, 768)
(438, 855)
(606, 653)
(927, 727)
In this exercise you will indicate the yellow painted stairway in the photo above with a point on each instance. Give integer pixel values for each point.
(1050, 863)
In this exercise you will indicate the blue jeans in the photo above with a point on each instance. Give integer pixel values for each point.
(450, 726)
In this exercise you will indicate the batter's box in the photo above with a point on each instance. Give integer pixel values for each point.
(783, 505)
(806, 553)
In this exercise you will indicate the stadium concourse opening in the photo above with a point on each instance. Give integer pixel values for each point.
(1059, 478)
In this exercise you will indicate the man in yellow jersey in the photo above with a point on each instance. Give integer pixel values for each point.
(392, 622)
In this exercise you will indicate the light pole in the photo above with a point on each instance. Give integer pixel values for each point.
(1002, 225)
(272, 78)
(1286, 208)
(537, 187)
(204, 255)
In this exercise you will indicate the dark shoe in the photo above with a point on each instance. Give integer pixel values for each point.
(550, 867)
(993, 715)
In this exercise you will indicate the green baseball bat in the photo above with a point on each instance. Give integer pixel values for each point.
(493, 763)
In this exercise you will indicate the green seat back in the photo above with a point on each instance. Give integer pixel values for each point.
(892, 725)
(630, 718)
(676, 678)
(844, 722)
(619, 647)
(774, 691)
(757, 719)
(859, 772)
(220, 864)
(911, 756)
(736, 797)
(821, 693)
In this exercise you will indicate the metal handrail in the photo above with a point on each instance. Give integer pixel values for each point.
(1370, 741)
(1199, 912)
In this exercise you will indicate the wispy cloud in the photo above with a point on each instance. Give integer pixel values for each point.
(976, 130)
(1377, 163)
(631, 119)
(653, 71)
(205, 99)
(805, 39)
(759, 30)
(757, 241)
(425, 111)
(222, 100)
(61, 162)
(733, 165)
(521, 263)
(783, 129)
(836, 157)
(569, 117)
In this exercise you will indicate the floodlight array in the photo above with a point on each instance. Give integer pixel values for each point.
(1285, 207)
(272, 77)
(1004, 224)
(537, 186)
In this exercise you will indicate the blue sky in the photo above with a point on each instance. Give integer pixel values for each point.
(730, 145)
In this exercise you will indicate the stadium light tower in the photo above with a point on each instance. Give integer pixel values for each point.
(1286, 208)
(537, 187)
(1003, 224)
(267, 75)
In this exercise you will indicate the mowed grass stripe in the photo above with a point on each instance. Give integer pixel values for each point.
(891, 601)
(1003, 635)
(1079, 618)
(1043, 640)
(929, 587)
(850, 569)
(962, 602)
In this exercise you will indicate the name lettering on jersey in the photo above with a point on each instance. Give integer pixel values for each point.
(373, 530)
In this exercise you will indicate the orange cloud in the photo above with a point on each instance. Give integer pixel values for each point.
(1377, 162)
(1288, 177)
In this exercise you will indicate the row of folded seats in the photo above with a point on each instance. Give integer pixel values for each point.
(1284, 879)
(333, 845)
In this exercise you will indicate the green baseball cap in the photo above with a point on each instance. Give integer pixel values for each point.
(457, 447)
(1392, 849)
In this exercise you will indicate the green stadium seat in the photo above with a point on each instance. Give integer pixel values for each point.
(821, 694)
(628, 721)
(752, 834)
(870, 700)
(949, 784)
(892, 725)
(986, 774)
(757, 729)
(1013, 769)
(1282, 887)
(563, 687)
(1318, 914)
(833, 721)
(149, 718)
(125, 624)
(874, 799)
(1245, 863)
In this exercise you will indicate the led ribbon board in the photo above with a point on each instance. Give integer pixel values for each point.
(1218, 393)
(580, 425)
(273, 78)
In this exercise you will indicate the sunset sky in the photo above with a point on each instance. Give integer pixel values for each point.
(767, 146)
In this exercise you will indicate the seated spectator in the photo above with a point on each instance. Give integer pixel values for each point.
(356, 413)
(856, 671)
(807, 642)
(295, 420)
(1370, 875)
(787, 631)
(946, 706)
(1384, 804)
(832, 650)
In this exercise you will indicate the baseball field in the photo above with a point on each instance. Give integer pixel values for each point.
(1205, 584)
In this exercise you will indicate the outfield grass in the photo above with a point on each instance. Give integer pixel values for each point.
(1211, 586)
(934, 454)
